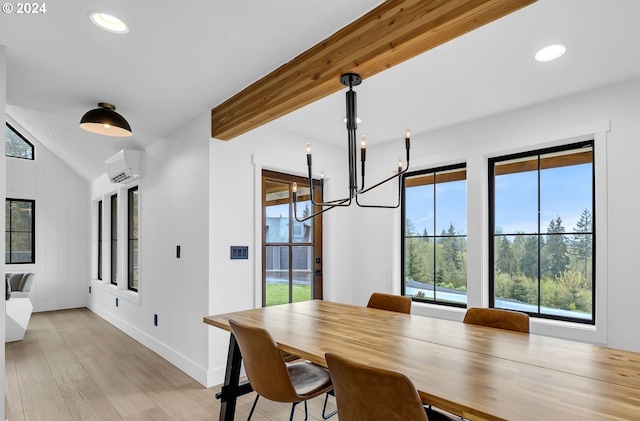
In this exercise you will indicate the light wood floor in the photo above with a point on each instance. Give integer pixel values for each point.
(73, 365)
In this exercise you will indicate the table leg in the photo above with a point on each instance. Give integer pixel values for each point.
(232, 387)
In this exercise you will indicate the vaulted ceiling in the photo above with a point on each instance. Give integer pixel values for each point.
(180, 60)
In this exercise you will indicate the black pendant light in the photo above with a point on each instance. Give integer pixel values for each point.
(106, 121)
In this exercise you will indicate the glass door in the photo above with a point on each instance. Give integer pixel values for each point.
(292, 250)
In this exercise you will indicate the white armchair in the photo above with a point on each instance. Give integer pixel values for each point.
(21, 284)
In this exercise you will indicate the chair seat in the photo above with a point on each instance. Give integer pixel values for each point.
(308, 379)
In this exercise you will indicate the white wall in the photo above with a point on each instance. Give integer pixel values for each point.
(174, 210)
(618, 203)
(236, 219)
(3, 106)
(62, 221)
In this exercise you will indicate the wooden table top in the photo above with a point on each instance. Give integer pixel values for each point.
(473, 371)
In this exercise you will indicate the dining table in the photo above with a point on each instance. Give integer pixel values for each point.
(476, 372)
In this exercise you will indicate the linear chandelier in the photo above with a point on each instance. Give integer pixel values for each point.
(350, 80)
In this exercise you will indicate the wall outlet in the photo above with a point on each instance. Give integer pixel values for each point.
(155, 320)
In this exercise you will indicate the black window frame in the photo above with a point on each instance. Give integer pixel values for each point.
(114, 239)
(33, 148)
(434, 170)
(491, 251)
(99, 274)
(132, 236)
(9, 232)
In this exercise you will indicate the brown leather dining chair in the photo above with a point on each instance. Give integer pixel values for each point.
(397, 303)
(365, 393)
(497, 318)
(270, 376)
(381, 301)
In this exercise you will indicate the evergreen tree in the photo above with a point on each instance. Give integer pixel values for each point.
(529, 260)
(451, 248)
(413, 258)
(582, 241)
(554, 252)
(505, 262)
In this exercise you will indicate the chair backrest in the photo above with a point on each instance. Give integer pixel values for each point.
(500, 319)
(397, 303)
(365, 393)
(14, 281)
(266, 370)
(26, 282)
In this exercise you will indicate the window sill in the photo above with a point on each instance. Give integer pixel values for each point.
(131, 296)
(545, 327)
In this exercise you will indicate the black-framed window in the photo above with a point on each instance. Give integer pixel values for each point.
(542, 233)
(16, 145)
(434, 239)
(132, 223)
(100, 239)
(20, 231)
(114, 239)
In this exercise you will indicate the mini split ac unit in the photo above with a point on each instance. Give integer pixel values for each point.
(124, 166)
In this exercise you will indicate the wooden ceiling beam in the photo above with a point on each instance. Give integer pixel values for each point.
(395, 31)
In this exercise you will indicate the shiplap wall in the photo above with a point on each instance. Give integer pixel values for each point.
(62, 222)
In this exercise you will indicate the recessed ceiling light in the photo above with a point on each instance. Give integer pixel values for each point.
(551, 52)
(108, 22)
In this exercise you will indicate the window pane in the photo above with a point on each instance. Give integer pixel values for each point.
(419, 210)
(516, 197)
(451, 269)
(21, 246)
(21, 213)
(15, 145)
(277, 275)
(419, 263)
(516, 272)
(451, 206)
(302, 273)
(277, 212)
(566, 192)
(133, 262)
(303, 231)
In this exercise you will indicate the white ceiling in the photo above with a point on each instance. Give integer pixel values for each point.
(180, 59)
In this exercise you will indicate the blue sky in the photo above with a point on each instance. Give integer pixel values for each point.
(565, 192)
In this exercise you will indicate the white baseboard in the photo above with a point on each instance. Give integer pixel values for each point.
(207, 378)
(53, 306)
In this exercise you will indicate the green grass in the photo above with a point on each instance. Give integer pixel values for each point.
(279, 293)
